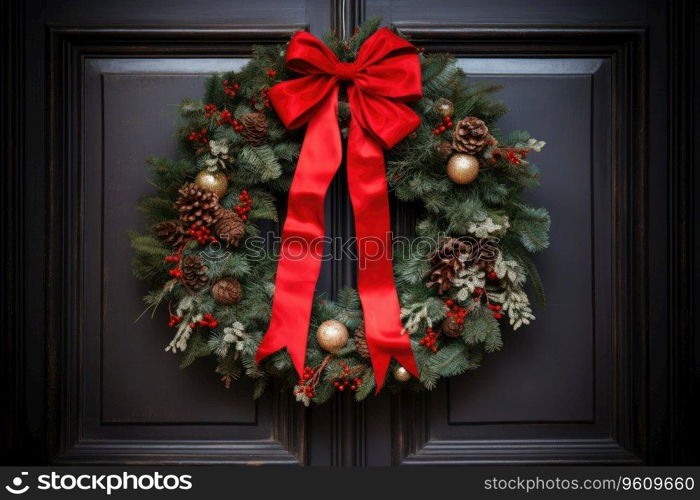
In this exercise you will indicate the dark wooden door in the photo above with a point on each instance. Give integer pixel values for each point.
(605, 375)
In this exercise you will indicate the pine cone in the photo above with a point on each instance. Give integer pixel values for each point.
(230, 228)
(227, 292)
(170, 232)
(448, 259)
(198, 206)
(451, 328)
(254, 128)
(470, 135)
(361, 341)
(194, 272)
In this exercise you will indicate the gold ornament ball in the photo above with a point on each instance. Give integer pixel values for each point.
(332, 335)
(444, 107)
(402, 374)
(462, 169)
(216, 182)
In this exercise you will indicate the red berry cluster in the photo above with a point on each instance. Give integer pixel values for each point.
(231, 90)
(207, 321)
(511, 155)
(346, 380)
(456, 312)
(174, 320)
(271, 73)
(201, 233)
(492, 275)
(430, 339)
(198, 136)
(265, 96)
(175, 273)
(226, 117)
(495, 310)
(245, 205)
(210, 110)
(302, 387)
(444, 125)
(477, 292)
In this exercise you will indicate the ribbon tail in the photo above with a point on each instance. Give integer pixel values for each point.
(302, 247)
(380, 301)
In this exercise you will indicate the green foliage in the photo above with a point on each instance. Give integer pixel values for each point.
(417, 178)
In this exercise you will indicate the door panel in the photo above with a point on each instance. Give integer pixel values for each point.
(545, 373)
(552, 393)
(603, 376)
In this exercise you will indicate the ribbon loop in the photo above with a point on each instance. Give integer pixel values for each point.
(385, 75)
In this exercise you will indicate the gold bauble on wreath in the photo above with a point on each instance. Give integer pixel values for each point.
(444, 107)
(402, 374)
(462, 169)
(332, 335)
(216, 182)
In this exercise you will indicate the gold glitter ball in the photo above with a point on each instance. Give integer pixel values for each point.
(462, 169)
(332, 335)
(216, 182)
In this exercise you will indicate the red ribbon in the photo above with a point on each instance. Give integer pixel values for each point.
(384, 76)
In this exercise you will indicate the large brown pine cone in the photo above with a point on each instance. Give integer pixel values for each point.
(254, 128)
(470, 135)
(170, 232)
(194, 272)
(451, 328)
(198, 206)
(448, 259)
(230, 228)
(227, 292)
(361, 341)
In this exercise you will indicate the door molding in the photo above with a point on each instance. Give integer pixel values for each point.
(626, 49)
(68, 49)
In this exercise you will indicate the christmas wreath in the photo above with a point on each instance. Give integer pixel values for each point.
(233, 294)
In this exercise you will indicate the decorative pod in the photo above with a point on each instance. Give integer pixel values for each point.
(198, 206)
(451, 328)
(230, 228)
(254, 128)
(402, 374)
(462, 169)
(361, 341)
(471, 135)
(332, 335)
(194, 272)
(227, 292)
(216, 182)
(444, 149)
(170, 232)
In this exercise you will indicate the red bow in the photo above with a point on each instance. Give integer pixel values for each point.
(385, 74)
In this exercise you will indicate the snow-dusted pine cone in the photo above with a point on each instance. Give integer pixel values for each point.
(470, 135)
